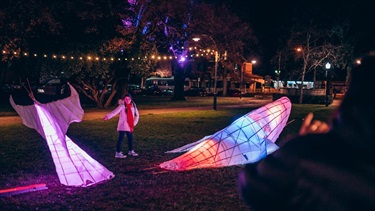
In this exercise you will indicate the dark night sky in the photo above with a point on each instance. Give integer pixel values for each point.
(266, 18)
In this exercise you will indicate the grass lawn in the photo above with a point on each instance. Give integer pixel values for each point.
(149, 102)
(138, 183)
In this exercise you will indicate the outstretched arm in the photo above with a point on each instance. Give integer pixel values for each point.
(114, 112)
(312, 126)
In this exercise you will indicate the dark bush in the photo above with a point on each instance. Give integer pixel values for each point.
(307, 99)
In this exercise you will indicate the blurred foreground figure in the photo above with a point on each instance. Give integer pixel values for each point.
(333, 170)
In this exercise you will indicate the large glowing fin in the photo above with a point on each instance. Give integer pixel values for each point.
(246, 140)
(74, 166)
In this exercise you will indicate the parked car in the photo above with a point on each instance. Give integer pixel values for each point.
(196, 91)
(234, 93)
(8, 88)
(168, 91)
(54, 87)
(101, 88)
(135, 89)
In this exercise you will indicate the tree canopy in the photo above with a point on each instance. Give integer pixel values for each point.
(87, 35)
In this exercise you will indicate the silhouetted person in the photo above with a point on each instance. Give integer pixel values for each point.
(328, 166)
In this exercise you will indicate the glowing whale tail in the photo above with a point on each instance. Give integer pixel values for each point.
(74, 166)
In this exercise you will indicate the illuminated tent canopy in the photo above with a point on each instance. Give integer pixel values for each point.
(246, 140)
(74, 166)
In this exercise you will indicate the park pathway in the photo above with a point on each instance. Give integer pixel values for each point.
(91, 115)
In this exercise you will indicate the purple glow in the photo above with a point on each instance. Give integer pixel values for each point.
(182, 59)
(127, 23)
(132, 2)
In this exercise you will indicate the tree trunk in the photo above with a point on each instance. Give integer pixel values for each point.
(179, 70)
(109, 100)
(301, 88)
(348, 76)
(225, 83)
(314, 80)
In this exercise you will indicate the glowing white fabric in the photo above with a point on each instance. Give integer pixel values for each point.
(246, 140)
(74, 166)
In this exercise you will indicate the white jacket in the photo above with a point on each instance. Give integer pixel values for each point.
(122, 122)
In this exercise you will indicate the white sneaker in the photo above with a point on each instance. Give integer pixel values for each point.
(119, 155)
(132, 153)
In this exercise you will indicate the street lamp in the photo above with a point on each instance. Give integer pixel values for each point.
(243, 68)
(253, 62)
(241, 85)
(277, 78)
(215, 83)
(278, 71)
(196, 39)
(327, 67)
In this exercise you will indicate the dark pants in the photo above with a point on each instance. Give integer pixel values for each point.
(129, 136)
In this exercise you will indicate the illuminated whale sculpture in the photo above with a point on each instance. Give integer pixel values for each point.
(51, 120)
(246, 140)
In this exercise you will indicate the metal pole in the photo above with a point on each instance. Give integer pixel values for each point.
(215, 91)
(327, 89)
(241, 88)
(279, 71)
(216, 66)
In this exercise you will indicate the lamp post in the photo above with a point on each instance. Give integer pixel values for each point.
(253, 61)
(277, 78)
(327, 67)
(243, 68)
(196, 39)
(215, 83)
(241, 84)
(278, 71)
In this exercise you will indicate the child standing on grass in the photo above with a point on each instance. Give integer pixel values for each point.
(128, 119)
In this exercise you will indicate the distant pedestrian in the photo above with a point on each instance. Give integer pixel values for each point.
(128, 119)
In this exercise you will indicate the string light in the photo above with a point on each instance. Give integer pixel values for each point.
(90, 58)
